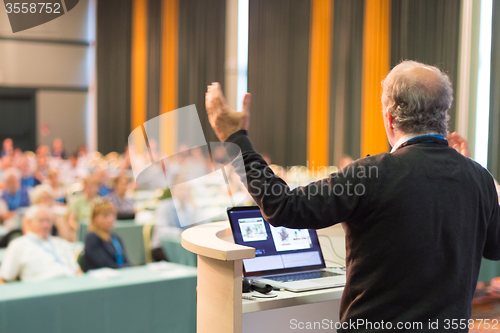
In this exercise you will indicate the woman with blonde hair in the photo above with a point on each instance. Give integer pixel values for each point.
(104, 248)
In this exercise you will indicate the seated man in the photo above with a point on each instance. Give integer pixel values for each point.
(37, 255)
(14, 196)
(71, 171)
(28, 180)
(123, 203)
(58, 149)
(101, 175)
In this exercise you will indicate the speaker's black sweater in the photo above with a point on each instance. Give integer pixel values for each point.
(417, 223)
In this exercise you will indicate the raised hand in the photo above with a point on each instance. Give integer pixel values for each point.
(222, 118)
(459, 143)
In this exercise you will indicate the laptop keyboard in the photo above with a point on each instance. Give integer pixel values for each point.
(301, 276)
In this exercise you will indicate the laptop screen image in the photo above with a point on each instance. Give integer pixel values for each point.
(277, 249)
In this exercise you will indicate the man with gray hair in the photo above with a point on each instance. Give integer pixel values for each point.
(416, 229)
(37, 255)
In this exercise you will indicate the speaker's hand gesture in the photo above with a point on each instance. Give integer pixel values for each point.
(223, 119)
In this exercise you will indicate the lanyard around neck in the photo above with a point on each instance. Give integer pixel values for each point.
(52, 251)
(118, 251)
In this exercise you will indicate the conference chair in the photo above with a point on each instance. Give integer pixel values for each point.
(82, 262)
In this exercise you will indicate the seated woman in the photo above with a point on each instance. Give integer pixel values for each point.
(103, 248)
(38, 255)
(124, 204)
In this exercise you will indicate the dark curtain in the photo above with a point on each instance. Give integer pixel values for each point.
(278, 66)
(346, 70)
(154, 59)
(113, 79)
(202, 28)
(427, 31)
(494, 132)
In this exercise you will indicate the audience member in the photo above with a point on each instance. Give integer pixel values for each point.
(101, 175)
(72, 172)
(44, 195)
(38, 255)
(123, 203)
(81, 208)
(58, 190)
(42, 168)
(7, 147)
(6, 165)
(173, 214)
(28, 181)
(58, 149)
(15, 196)
(17, 157)
(104, 248)
(196, 165)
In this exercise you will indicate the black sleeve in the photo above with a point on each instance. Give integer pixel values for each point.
(491, 249)
(318, 205)
(95, 253)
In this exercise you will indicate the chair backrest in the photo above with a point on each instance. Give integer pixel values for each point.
(82, 261)
(82, 231)
(5, 240)
(147, 234)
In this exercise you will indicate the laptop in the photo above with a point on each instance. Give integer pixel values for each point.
(284, 258)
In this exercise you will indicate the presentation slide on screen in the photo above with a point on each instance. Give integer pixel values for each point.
(253, 229)
(290, 239)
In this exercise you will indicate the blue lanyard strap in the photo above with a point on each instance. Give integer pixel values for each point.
(52, 250)
(439, 136)
(429, 138)
(119, 251)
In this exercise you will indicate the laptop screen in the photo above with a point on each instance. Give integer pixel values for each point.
(277, 249)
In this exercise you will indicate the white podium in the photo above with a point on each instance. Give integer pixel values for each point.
(220, 308)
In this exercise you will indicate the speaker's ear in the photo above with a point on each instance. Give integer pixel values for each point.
(246, 287)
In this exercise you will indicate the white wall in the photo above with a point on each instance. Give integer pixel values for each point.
(52, 59)
(33, 64)
(64, 113)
